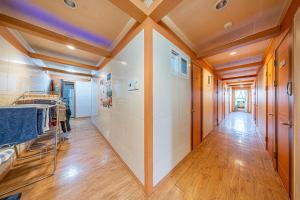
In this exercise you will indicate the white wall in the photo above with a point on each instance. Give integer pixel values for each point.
(18, 74)
(208, 106)
(83, 98)
(297, 107)
(171, 110)
(123, 124)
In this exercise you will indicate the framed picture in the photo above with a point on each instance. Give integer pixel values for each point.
(106, 91)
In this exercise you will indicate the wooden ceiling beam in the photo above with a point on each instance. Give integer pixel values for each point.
(13, 41)
(65, 72)
(61, 61)
(240, 82)
(10, 22)
(163, 9)
(235, 67)
(238, 77)
(228, 73)
(251, 39)
(9, 37)
(130, 9)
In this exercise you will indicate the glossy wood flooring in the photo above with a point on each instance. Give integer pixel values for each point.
(231, 163)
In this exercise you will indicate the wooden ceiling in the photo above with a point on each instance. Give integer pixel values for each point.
(254, 24)
(96, 27)
(204, 25)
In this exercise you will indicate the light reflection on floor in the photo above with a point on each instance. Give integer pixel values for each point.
(240, 121)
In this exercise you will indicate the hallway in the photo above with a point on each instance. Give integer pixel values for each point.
(231, 163)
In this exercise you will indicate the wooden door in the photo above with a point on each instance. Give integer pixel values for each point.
(270, 140)
(196, 106)
(215, 101)
(284, 137)
(220, 101)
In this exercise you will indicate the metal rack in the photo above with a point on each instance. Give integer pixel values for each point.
(36, 148)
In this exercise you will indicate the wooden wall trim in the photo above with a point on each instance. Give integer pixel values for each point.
(65, 72)
(135, 29)
(257, 37)
(288, 19)
(148, 103)
(130, 9)
(10, 22)
(163, 9)
(61, 61)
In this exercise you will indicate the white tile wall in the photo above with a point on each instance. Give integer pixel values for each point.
(172, 110)
(18, 74)
(123, 124)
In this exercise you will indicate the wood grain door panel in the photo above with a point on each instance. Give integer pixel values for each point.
(283, 131)
(196, 110)
(271, 111)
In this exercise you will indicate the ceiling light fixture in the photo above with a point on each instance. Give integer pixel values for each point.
(70, 3)
(233, 53)
(71, 47)
(221, 4)
(228, 25)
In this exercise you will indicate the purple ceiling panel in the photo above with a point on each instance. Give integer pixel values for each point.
(26, 8)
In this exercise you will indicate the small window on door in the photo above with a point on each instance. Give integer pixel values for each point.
(184, 67)
(174, 62)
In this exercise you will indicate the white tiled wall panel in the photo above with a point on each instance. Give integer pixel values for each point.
(172, 110)
(18, 74)
(123, 124)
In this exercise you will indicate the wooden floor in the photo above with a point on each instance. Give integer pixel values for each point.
(231, 163)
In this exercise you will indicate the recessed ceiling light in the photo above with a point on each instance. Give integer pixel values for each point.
(70, 3)
(233, 53)
(228, 25)
(221, 4)
(71, 47)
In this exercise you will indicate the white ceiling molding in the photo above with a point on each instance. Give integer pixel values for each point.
(25, 44)
(122, 34)
(179, 33)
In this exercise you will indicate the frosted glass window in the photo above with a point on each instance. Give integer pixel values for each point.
(174, 62)
(184, 67)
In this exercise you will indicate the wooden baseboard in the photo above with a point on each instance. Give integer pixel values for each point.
(120, 158)
(163, 180)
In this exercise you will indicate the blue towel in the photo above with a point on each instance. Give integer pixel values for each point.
(40, 118)
(17, 125)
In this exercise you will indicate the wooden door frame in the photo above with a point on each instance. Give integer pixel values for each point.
(289, 36)
(201, 105)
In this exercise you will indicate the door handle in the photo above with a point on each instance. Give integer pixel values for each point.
(289, 89)
(271, 114)
(286, 124)
(193, 110)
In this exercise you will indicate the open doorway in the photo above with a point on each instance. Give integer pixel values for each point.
(241, 100)
(68, 94)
